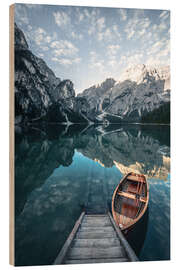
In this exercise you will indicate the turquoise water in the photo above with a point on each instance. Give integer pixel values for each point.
(61, 170)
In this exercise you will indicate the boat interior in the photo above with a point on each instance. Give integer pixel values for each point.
(130, 199)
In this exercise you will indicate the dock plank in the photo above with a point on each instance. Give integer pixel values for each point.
(104, 242)
(95, 235)
(89, 229)
(97, 224)
(96, 219)
(96, 252)
(104, 260)
(100, 223)
(95, 239)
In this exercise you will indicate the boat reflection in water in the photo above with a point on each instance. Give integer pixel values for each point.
(58, 169)
(136, 237)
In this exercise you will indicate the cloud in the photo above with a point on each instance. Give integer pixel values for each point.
(38, 39)
(38, 35)
(64, 47)
(33, 6)
(29, 28)
(65, 53)
(100, 24)
(104, 41)
(79, 13)
(21, 15)
(112, 63)
(162, 26)
(87, 13)
(81, 17)
(77, 60)
(65, 61)
(159, 53)
(91, 14)
(48, 39)
(93, 21)
(116, 31)
(62, 61)
(40, 31)
(132, 59)
(97, 65)
(137, 27)
(44, 48)
(96, 25)
(76, 36)
(141, 32)
(109, 34)
(164, 15)
(123, 14)
(96, 62)
(61, 18)
(130, 33)
(93, 56)
(113, 49)
(41, 55)
(158, 46)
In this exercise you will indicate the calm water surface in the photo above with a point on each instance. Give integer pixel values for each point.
(58, 170)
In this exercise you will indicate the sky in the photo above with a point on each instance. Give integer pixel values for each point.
(88, 45)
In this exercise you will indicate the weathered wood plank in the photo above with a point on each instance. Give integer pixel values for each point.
(136, 178)
(96, 219)
(131, 196)
(92, 242)
(96, 216)
(96, 224)
(69, 240)
(104, 260)
(107, 229)
(130, 252)
(94, 235)
(95, 253)
(106, 242)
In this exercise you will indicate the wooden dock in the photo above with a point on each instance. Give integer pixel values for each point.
(95, 239)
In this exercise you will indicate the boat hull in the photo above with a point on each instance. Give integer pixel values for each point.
(130, 200)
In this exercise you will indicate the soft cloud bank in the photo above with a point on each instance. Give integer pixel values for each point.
(88, 44)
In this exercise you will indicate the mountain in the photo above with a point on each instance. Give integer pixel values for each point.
(141, 94)
(140, 90)
(39, 94)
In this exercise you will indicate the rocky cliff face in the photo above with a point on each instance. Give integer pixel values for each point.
(39, 94)
(139, 91)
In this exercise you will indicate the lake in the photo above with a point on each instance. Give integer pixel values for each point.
(61, 169)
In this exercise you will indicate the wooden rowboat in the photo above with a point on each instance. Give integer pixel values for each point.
(130, 200)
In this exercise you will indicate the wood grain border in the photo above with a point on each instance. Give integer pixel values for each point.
(11, 135)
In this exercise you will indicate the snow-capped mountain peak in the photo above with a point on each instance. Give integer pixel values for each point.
(144, 73)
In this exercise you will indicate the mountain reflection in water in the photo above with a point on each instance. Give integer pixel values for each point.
(58, 169)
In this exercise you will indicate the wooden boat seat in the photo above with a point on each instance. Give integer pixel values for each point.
(131, 196)
(136, 178)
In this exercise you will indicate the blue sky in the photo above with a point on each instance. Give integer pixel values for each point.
(88, 44)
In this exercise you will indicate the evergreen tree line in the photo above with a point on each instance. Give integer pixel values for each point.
(160, 115)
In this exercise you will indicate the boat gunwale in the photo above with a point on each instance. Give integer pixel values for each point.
(128, 226)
